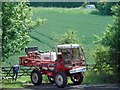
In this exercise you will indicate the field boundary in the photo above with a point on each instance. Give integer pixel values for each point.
(7, 72)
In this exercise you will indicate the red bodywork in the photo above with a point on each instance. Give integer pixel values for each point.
(33, 59)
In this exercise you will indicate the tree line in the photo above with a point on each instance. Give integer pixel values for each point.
(56, 4)
(103, 7)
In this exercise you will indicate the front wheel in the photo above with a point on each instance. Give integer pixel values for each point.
(77, 78)
(60, 79)
(36, 77)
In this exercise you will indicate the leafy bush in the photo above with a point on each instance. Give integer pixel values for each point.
(85, 4)
(96, 77)
(95, 12)
(105, 8)
(68, 37)
(101, 57)
(107, 55)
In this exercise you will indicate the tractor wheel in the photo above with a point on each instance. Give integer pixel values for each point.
(60, 79)
(51, 79)
(36, 77)
(77, 78)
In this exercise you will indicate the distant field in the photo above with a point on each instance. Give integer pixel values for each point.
(59, 20)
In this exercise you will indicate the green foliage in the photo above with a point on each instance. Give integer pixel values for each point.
(56, 4)
(105, 7)
(85, 4)
(68, 37)
(112, 39)
(16, 24)
(95, 77)
(101, 57)
(110, 43)
(112, 36)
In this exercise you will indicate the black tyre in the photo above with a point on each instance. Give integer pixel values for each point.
(51, 79)
(60, 79)
(77, 78)
(36, 77)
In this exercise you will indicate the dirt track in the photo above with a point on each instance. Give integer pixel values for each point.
(69, 87)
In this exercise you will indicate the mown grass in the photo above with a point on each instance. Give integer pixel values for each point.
(8, 83)
(20, 82)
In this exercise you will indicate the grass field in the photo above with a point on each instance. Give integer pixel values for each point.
(60, 20)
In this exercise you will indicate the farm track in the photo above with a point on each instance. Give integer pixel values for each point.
(70, 87)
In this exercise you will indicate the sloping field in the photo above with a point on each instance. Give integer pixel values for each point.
(60, 20)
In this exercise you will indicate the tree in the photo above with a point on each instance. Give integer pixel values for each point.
(85, 4)
(68, 37)
(105, 7)
(111, 40)
(16, 24)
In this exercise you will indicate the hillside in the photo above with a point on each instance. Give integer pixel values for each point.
(59, 20)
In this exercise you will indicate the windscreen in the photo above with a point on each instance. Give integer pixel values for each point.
(75, 55)
(72, 56)
(66, 54)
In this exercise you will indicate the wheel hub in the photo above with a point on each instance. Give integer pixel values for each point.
(59, 79)
(76, 77)
(35, 77)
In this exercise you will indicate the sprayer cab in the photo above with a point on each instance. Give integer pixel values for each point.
(72, 55)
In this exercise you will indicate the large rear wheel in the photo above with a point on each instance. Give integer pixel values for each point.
(36, 77)
(77, 78)
(60, 79)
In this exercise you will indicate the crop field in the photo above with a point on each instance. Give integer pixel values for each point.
(60, 20)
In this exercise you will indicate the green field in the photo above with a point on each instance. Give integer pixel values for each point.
(60, 20)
